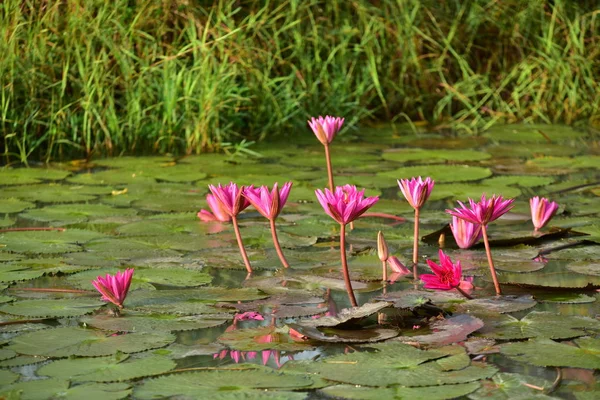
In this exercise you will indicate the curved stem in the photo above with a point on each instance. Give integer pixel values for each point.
(329, 169)
(345, 266)
(467, 295)
(382, 215)
(238, 236)
(490, 261)
(276, 243)
(416, 244)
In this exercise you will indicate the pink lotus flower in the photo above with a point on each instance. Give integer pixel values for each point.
(248, 316)
(326, 128)
(542, 211)
(446, 276)
(397, 266)
(483, 212)
(465, 233)
(346, 204)
(218, 213)
(269, 204)
(114, 288)
(416, 191)
(230, 198)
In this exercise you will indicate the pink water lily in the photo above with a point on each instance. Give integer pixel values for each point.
(248, 316)
(416, 190)
(484, 211)
(346, 203)
(114, 288)
(218, 212)
(465, 233)
(231, 199)
(446, 276)
(326, 128)
(542, 211)
(397, 266)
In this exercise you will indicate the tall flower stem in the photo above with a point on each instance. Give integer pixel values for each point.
(490, 261)
(384, 269)
(345, 266)
(277, 245)
(329, 169)
(238, 236)
(416, 244)
(467, 295)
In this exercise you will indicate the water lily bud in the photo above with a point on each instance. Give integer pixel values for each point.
(382, 248)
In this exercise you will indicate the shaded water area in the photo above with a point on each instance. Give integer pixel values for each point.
(178, 337)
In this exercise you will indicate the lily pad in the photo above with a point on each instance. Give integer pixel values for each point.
(258, 339)
(12, 205)
(51, 193)
(510, 386)
(347, 315)
(51, 308)
(7, 377)
(497, 304)
(534, 133)
(333, 335)
(54, 388)
(547, 353)
(440, 173)
(65, 214)
(111, 177)
(447, 331)
(433, 155)
(565, 298)
(24, 176)
(46, 242)
(106, 369)
(72, 341)
(539, 324)
(441, 392)
(130, 322)
(552, 276)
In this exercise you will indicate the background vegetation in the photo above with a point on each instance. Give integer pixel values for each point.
(91, 77)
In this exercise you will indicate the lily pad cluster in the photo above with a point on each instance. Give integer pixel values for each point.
(194, 325)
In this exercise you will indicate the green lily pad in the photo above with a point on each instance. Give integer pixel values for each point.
(202, 383)
(111, 177)
(8, 377)
(125, 249)
(65, 214)
(134, 163)
(54, 388)
(21, 360)
(447, 331)
(16, 273)
(24, 176)
(72, 341)
(46, 242)
(258, 339)
(440, 173)
(539, 324)
(332, 335)
(510, 386)
(164, 227)
(497, 304)
(51, 308)
(520, 180)
(534, 133)
(565, 298)
(45, 265)
(433, 155)
(422, 393)
(106, 369)
(338, 159)
(347, 315)
(579, 162)
(552, 276)
(547, 353)
(463, 191)
(51, 193)
(12, 205)
(6, 222)
(130, 322)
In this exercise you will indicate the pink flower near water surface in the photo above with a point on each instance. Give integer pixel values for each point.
(218, 212)
(542, 211)
(446, 275)
(465, 233)
(346, 203)
(248, 316)
(326, 128)
(230, 198)
(114, 288)
(268, 203)
(483, 212)
(416, 191)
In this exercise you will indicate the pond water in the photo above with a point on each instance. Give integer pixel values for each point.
(177, 336)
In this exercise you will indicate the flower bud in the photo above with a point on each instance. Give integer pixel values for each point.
(382, 248)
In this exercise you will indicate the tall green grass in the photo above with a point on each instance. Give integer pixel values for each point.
(83, 78)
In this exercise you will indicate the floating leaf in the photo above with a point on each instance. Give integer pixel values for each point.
(72, 341)
(509, 386)
(347, 315)
(464, 191)
(54, 388)
(52, 193)
(111, 177)
(65, 214)
(203, 383)
(21, 360)
(7, 377)
(52, 308)
(440, 173)
(14, 273)
(23, 176)
(264, 338)
(534, 133)
(12, 205)
(447, 331)
(578, 162)
(547, 353)
(333, 335)
(497, 304)
(106, 369)
(520, 180)
(566, 298)
(46, 242)
(130, 322)
(422, 393)
(552, 276)
(539, 324)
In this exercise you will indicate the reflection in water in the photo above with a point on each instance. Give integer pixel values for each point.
(278, 358)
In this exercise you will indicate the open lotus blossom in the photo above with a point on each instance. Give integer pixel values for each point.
(446, 276)
(231, 199)
(217, 214)
(416, 191)
(114, 288)
(326, 128)
(344, 205)
(483, 212)
(465, 233)
(542, 211)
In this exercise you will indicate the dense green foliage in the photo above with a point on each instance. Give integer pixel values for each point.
(90, 77)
